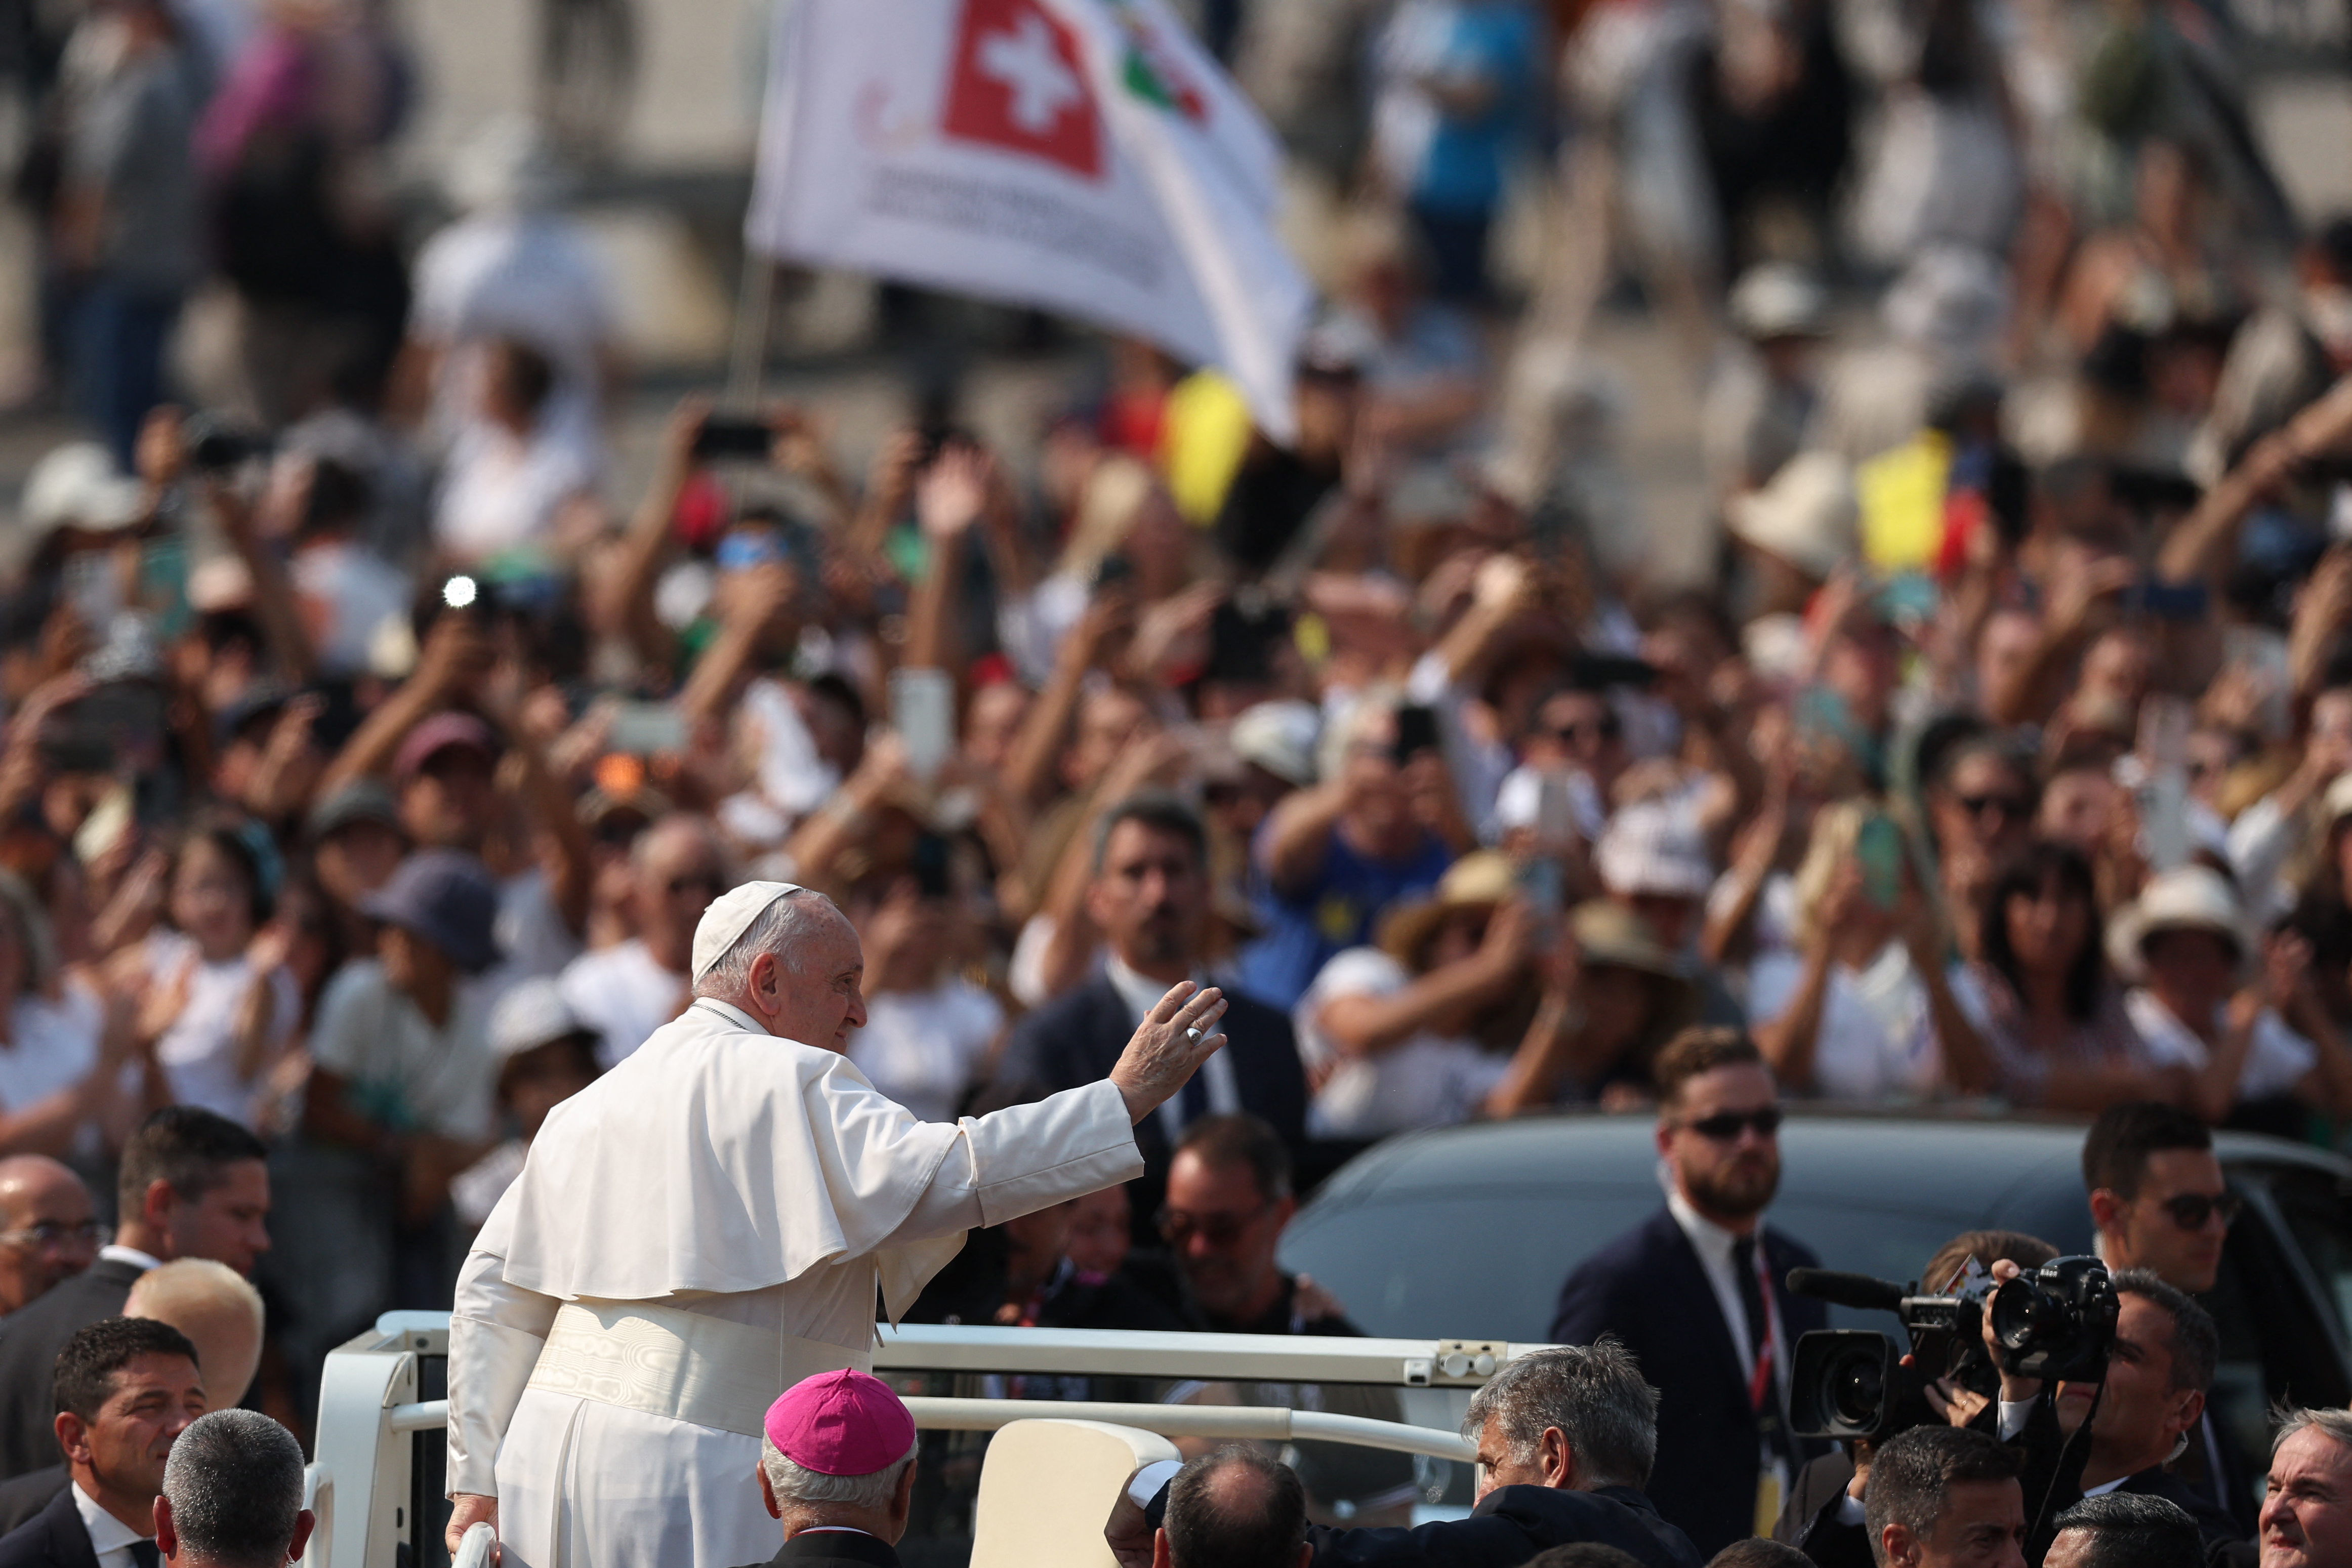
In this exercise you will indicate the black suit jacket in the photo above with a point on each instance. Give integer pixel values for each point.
(53, 1538)
(1510, 1525)
(30, 1339)
(829, 1549)
(2214, 1522)
(1649, 1288)
(28, 1494)
(1077, 1036)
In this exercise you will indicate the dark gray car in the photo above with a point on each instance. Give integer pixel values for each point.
(1466, 1232)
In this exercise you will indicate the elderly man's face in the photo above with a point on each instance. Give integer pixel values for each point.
(2308, 1516)
(49, 1235)
(820, 998)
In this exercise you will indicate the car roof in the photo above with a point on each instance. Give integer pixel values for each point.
(1833, 1151)
(1469, 1229)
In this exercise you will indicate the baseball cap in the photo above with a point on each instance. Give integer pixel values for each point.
(446, 897)
(439, 732)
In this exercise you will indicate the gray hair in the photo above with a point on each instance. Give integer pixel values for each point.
(235, 1481)
(1594, 1394)
(782, 927)
(814, 1489)
(2332, 1422)
(2129, 1530)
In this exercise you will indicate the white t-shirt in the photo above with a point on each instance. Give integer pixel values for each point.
(922, 1048)
(198, 1052)
(623, 994)
(533, 938)
(476, 1190)
(51, 1045)
(532, 275)
(1428, 1080)
(500, 491)
(405, 1074)
(1875, 1041)
(2278, 1059)
(347, 592)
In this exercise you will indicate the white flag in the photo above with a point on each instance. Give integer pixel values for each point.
(1084, 156)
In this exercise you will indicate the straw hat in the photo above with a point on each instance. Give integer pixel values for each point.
(1608, 933)
(1479, 880)
(1806, 513)
(2188, 897)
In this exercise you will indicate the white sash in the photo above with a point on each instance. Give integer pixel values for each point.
(682, 1366)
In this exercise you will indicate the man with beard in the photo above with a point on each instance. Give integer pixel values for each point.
(1151, 898)
(1695, 1292)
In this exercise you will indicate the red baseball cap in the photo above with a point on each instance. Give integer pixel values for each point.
(844, 1423)
(448, 728)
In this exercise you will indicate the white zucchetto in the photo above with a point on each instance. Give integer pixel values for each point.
(728, 917)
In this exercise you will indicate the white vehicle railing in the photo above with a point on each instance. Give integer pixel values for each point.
(364, 1482)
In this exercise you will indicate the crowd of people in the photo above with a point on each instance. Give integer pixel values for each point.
(369, 761)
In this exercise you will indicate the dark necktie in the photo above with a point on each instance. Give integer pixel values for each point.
(1751, 1302)
(1193, 1103)
(143, 1555)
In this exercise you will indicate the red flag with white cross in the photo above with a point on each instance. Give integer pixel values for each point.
(1018, 83)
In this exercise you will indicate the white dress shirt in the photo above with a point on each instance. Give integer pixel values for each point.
(108, 1536)
(1714, 1244)
(1141, 993)
(115, 1252)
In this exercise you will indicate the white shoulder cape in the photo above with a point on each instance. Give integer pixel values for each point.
(713, 1159)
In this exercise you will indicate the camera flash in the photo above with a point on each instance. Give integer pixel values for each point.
(458, 592)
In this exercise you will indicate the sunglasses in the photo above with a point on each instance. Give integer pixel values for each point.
(1727, 1126)
(1220, 1230)
(698, 882)
(2194, 1211)
(2009, 806)
(49, 1234)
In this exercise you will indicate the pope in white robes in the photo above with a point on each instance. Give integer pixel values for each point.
(711, 1221)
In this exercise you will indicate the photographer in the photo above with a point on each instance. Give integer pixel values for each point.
(1823, 1518)
(2158, 1369)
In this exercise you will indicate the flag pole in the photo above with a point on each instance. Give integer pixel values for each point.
(753, 300)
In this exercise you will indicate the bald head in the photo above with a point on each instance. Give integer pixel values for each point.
(46, 1234)
(676, 867)
(217, 1309)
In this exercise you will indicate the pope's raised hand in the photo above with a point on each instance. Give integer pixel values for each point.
(1175, 1037)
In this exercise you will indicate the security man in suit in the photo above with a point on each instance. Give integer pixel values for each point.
(192, 1184)
(125, 1388)
(1697, 1293)
(1151, 898)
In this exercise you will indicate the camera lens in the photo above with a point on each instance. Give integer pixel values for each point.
(1856, 1384)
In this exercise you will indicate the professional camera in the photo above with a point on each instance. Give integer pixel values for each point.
(2057, 1322)
(1850, 1383)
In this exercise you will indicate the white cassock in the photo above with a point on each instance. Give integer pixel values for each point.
(704, 1226)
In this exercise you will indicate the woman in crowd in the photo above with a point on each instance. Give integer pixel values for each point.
(2040, 995)
(72, 1080)
(237, 1003)
(1862, 1010)
(1395, 1036)
(1613, 995)
(2237, 1014)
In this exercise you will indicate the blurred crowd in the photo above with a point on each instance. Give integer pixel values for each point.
(369, 759)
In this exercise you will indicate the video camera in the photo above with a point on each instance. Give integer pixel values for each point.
(2057, 1322)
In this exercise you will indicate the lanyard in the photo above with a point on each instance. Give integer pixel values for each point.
(1759, 1380)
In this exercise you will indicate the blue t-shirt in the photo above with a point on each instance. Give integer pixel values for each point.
(1340, 909)
(1469, 156)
